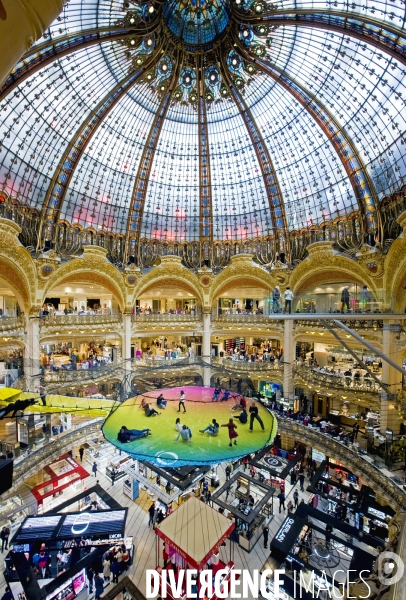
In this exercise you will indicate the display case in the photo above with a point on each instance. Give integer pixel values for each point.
(131, 488)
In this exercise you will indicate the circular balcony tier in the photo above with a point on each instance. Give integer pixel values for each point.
(161, 449)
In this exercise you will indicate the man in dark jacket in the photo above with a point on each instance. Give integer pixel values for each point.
(345, 299)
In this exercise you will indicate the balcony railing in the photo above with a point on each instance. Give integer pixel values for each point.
(244, 318)
(11, 323)
(357, 463)
(75, 320)
(166, 318)
(248, 366)
(328, 381)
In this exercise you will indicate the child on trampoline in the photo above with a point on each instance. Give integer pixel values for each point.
(232, 433)
(185, 434)
(212, 429)
(216, 395)
(161, 402)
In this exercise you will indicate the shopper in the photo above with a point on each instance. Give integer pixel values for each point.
(126, 557)
(228, 472)
(265, 534)
(113, 476)
(151, 511)
(4, 535)
(232, 433)
(276, 306)
(345, 299)
(107, 567)
(254, 415)
(355, 430)
(212, 429)
(281, 497)
(290, 507)
(94, 468)
(81, 452)
(288, 296)
(301, 481)
(364, 298)
(90, 578)
(7, 594)
(182, 401)
(99, 586)
(115, 570)
(296, 498)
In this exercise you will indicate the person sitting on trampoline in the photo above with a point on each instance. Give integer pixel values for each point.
(129, 435)
(184, 433)
(143, 404)
(212, 429)
(178, 425)
(150, 412)
(226, 395)
(242, 404)
(161, 402)
(216, 395)
(243, 417)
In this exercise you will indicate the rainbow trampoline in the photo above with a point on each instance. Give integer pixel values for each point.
(161, 449)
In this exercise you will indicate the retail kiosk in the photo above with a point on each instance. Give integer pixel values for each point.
(250, 502)
(185, 545)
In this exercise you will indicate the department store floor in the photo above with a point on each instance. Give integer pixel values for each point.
(145, 538)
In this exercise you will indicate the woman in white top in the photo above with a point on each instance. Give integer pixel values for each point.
(178, 425)
(182, 401)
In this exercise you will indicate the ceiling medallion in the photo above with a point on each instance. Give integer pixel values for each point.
(213, 44)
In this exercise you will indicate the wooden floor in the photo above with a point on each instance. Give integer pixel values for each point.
(144, 537)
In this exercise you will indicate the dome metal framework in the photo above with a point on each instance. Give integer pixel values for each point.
(196, 124)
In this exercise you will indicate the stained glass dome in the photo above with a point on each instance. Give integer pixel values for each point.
(208, 120)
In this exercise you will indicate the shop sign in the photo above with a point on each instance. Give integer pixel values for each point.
(284, 530)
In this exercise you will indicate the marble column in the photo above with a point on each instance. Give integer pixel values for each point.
(206, 347)
(393, 378)
(289, 358)
(32, 355)
(126, 346)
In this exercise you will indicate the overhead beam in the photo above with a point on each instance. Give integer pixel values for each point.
(137, 204)
(62, 176)
(44, 54)
(361, 183)
(274, 194)
(368, 345)
(382, 35)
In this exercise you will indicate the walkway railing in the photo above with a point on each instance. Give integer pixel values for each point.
(359, 464)
(75, 320)
(11, 323)
(244, 318)
(30, 463)
(166, 318)
(248, 366)
(330, 380)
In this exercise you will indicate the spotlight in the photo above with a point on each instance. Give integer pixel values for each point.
(151, 10)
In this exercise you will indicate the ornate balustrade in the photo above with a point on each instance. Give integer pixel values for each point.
(75, 320)
(9, 324)
(244, 318)
(248, 366)
(363, 385)
(167, 319)
(357, 463)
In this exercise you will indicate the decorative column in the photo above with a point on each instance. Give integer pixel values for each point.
(393, 378)
(206, 347)
(22, 22)
(288, 359)
(32, 353)
(126, 346)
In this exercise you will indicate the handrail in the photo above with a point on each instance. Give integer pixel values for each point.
(353, 460)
